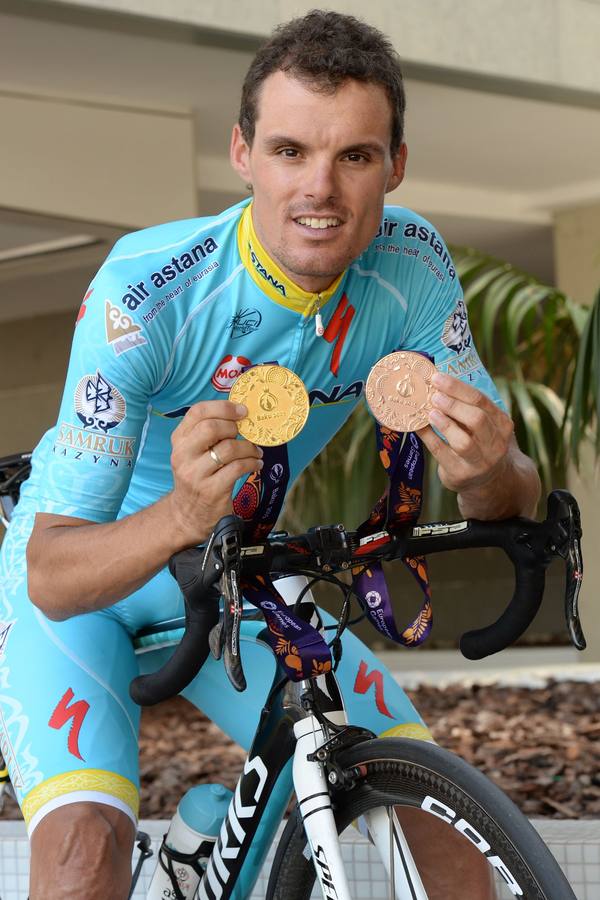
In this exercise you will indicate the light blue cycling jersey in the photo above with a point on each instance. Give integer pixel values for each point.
(177, 310)
(171, 318)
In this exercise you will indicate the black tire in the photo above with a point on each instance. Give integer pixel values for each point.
(403, 772)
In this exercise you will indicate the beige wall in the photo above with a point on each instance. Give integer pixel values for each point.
(33, 361)
(552, 43)
(577, 251)
(101, 162)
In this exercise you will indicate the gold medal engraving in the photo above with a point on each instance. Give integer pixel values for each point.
(277, 404)
(399, 390)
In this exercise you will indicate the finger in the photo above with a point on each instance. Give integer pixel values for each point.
(206, 433)
(481, 417)
(225, 477)
(228, 451)
(459, 390)
(211, 409)
(443, 454)
(466, 444)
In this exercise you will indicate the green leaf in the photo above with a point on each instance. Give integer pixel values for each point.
(525, 299)
(480, 285)
(499, 294)
(547, 398)
(504, 391)
(533, 427)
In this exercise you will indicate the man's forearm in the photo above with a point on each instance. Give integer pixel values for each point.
(79, 568)
(513, 491)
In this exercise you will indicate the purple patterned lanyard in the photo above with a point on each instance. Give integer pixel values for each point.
(403, 459)
(299, 648)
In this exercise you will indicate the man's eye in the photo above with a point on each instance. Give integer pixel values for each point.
(356, 157)
(288, 152)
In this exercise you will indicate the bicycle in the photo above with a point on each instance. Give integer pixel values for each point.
(343, 773)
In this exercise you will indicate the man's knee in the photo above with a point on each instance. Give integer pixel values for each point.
(80, 846)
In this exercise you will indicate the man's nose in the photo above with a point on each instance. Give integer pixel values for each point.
(321, 185)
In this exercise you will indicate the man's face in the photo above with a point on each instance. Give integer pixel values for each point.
(319, 166)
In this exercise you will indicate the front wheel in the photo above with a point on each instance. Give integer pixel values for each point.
(471, 823)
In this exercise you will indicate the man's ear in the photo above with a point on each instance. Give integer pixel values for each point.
(398, 167)
(239, 154)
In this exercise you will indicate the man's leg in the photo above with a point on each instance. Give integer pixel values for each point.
(68, 730)
(82, 851)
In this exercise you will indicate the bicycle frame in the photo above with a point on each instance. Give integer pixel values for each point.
(288, 732)
(277, 763)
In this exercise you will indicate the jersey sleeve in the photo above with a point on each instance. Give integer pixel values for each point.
(112, 371)
(437, 322)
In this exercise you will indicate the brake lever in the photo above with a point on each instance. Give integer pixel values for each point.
(224, 638)
(563, 509)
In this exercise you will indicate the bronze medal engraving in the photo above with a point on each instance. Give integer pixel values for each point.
(277, 404)
(399, 390)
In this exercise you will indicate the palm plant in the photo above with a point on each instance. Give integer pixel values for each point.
(543, 351)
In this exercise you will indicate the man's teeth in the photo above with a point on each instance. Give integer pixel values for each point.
(317, 223)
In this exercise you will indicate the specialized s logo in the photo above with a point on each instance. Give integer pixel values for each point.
(337, 328)
(61, 715)
(363, 683)
(83, 307)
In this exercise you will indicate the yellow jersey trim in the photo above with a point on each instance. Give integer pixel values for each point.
(81, 780)
(270, 278)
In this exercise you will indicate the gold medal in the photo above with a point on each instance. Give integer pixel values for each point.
(277, 404)
(399, 390)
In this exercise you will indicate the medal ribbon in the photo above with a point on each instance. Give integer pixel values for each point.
(403, 459)
(298, 647)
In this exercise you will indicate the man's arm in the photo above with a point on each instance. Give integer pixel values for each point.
(76, 566)
(479, 458)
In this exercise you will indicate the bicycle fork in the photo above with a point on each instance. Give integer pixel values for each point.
(381, 826)
(314, 803)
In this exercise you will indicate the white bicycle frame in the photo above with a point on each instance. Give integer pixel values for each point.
(382, 826)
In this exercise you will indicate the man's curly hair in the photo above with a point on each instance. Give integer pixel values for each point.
(325, 49)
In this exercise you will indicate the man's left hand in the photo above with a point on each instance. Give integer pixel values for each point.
(478, 435)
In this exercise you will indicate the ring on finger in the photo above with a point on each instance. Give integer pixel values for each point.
(215, 458)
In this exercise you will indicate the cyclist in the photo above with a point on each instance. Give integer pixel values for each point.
(144, 458)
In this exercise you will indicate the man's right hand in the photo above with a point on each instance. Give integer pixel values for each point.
(203, 487)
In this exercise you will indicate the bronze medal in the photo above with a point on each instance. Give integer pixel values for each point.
(277, 404)
(399, 390)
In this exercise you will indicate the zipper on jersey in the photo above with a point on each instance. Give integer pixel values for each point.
(319, 330)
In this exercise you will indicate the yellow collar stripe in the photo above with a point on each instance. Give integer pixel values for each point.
(269, 277)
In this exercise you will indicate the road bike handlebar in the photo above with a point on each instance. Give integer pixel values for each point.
(205, 573)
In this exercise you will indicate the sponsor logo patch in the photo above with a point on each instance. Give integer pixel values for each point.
(66, 710)
(365, 679)
(80, 441)
(456, 334)
(338, 394)
(227, 371)
(264, 273)
(337, 329)
(83, 307)
(244, 322)
(98, 403)
(121, 331)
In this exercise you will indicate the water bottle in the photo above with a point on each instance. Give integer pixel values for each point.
(189, 842)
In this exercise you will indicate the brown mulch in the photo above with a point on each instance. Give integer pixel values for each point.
(541, 746)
